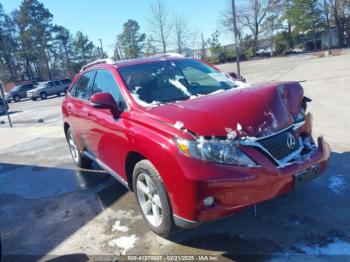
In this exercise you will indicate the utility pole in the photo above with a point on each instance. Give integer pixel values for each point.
(102, 54)
(203, 47)
(236, 39)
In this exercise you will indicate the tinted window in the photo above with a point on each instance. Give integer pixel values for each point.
(50, 84)
(65, 81)
(105, 83)
(83, 86)
(26, 87)
(57, 83)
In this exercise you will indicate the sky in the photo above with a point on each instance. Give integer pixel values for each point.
(103, 19)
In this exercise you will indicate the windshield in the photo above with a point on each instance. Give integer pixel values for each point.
(171, 81)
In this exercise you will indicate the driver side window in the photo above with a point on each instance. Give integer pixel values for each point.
(106, 83)
(82, 88)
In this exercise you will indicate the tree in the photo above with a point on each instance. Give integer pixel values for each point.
(8, 45)
(215, 46)
(64, 40)
(181, 33)
(252, 16)
(339, 14)
(131, 40)
(150, 47)
(34, 23)
(85, 50)
(160, 24)
(307, 16)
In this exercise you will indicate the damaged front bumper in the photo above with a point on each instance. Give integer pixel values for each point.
(236, 188)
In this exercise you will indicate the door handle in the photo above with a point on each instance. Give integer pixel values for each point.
(70, 109)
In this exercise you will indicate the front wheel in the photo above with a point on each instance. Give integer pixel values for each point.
(79, 159)
(43, 96)
(153, 199)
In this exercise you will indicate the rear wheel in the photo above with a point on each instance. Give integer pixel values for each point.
(153, 199)
(43, 95)
(17, 98)
(79, 159)
(34, 99)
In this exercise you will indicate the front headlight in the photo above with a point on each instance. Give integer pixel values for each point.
(219, 151)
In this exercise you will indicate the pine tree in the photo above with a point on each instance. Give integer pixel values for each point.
(131, 40)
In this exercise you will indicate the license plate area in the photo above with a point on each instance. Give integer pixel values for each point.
(306, 175)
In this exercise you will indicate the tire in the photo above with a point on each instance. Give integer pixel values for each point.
(43, 95)
(159, 204)
(80, 160)
(34, 99)
(16, 98)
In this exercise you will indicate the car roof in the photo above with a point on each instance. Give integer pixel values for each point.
(146, 60)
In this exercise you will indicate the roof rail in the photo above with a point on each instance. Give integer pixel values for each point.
(99, 61)
(167, 55)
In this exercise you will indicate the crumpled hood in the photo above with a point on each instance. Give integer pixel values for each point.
(254, 111)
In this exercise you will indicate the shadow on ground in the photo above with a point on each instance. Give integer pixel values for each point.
(40, 207)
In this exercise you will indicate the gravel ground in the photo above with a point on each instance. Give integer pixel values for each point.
(49, 209)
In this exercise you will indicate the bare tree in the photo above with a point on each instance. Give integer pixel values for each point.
(253, 15)
(338, 10)
(160, 23)
(182, 33)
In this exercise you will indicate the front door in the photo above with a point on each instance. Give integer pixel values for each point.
(107, 134)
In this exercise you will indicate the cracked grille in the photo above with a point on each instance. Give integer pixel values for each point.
(277, 145)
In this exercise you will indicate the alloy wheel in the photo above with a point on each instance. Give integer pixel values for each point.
(73, 147)
(149, 200)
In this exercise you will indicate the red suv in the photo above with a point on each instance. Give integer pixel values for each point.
(190, 142)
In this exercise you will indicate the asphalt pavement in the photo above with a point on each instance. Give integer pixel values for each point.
(49, 208)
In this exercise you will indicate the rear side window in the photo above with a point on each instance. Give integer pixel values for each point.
(57, 83)
(106, 83)
(82, 88)
(65, 81)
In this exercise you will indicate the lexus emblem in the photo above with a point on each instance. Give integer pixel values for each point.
(290, 141)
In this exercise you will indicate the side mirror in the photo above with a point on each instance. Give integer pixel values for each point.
(232, 74)
(105, 101)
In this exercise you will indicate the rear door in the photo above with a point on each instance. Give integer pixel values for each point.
(77, 107)
(107, 134)
(57, 87)
(25, 89)
(50, 88)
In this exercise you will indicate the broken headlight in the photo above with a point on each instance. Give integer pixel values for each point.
(302, 113)
(219, 151)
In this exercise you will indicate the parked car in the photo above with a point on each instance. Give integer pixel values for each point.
(2, 106)
(18, 92)
(49, 88)
(191, 145)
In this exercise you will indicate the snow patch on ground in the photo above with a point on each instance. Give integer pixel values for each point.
(336, 248)
(118, 227)
(336, 184)
(124, 243)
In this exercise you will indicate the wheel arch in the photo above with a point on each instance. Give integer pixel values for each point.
(131, 160)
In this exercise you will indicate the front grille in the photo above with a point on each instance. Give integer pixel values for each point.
(277, 145)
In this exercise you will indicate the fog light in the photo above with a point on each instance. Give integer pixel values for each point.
(208, 201)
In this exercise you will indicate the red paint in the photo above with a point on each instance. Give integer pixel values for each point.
(149, 132)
